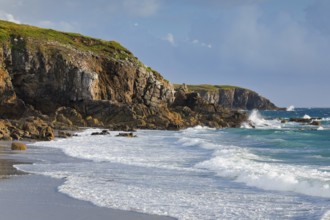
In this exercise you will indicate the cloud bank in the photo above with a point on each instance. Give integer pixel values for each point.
(8, 17)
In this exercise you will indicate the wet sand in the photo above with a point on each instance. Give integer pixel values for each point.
(29, 196)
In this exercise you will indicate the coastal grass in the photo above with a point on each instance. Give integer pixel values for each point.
(207, 87)
(20, 32)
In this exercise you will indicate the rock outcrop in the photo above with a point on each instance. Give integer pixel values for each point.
(54, 80)
(31, 128)
(231, 97)
(195, 110)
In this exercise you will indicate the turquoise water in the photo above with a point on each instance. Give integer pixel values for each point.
(296, 143)
(273, 171)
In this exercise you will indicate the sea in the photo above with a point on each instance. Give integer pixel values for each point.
(264, 170)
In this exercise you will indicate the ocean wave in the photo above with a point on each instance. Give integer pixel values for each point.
(243, 166)
(127, 151)
(166, 173)
(326, 216)
(198, 129)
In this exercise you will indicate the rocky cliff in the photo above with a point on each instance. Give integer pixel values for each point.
(67, 79)
(231, 97)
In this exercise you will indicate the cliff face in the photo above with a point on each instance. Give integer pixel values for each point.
(232, 97)
(49, 74)
(67, 79)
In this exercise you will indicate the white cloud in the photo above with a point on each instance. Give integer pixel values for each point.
(170, 38)
(8, 17)
(282, 45)
(202, 44)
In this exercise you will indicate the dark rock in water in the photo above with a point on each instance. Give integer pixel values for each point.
(63, 134)
(103, 132)
(311, 121)
(316, 123)
(301, 120)
(18, 146)
(130, 135)
(172, 126)
(252, 125)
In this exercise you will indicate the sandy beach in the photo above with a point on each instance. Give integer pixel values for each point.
(29, 196)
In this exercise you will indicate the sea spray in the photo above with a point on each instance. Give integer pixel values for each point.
(256, 120)
(306, 116)
(290, 108)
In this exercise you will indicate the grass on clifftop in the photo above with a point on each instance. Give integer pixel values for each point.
(207, 87)
(8, 30)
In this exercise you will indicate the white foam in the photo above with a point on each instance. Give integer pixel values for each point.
(243, 166)
(198, 129)
(255, 120)
(130, 151)
(320, 128)
(326, 216)
(306, 116)
(156, 173)
(290, 108)
(179, 194)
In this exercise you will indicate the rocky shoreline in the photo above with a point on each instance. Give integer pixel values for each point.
(53, 80)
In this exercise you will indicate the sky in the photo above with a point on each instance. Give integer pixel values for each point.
(278, 48)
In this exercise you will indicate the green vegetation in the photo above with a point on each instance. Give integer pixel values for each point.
(27, 33)
(229, 87)
(207, 87)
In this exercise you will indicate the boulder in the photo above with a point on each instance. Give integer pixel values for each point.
(18, 146)
(38, 129)
(129, 135)
(47, 133)
(316, 123)
(301, 120)
(71, 116)
(103, 132)
(4, 131)
(63, 134)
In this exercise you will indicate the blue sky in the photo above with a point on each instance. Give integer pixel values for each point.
(279, 48)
